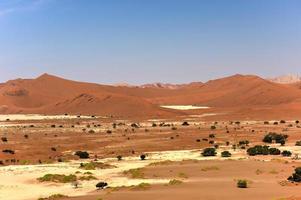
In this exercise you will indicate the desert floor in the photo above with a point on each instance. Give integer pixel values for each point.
(175, 148)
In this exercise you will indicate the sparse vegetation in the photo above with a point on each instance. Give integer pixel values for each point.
(209, 152)
(226, 154)
(296, 176)
(95, 165)
(134, 173)
(242, 183)
(278, 138)
(58, 178)
(82, 154)
(175, 182)
(101, 185)
(53, 197)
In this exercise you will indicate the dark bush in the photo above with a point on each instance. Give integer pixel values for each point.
(101, 185)
(185, 124)
(244, 142)
(298, 143)
(8, 151)
(295, 177)
(119, 157)
(134, 125)
(286, 153)
(226, 154)
(242, 184)
(4, 139)
(258, 150)
(142, 157)
(209, 152)
(82, 154)
(278, 138)
(268, 138)
(274, 151)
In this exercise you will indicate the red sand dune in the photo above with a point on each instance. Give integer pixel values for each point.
(53, 95)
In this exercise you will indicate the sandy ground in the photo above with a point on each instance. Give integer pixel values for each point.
(24, 117)
(168, 140)
(213, 180)
(19, 182)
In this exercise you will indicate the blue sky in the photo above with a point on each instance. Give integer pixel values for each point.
(141, 41)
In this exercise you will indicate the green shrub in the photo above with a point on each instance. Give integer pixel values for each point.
(209, 152)
(286, 153)
(296, 177)
(134, 173)
(242, 183)
(175, 182)
(274, 151)
(226, 154)
(58, 178)
(278, 138)
(82, 154)
(94, 165)
(101, 185)
(258, 150)
(53, 197)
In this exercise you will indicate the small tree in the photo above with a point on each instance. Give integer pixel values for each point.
(82, 154)
(185, 124)
(242, 184)
(295, 177)
(101, 185)
(119, 157)
(209, 152)
(142, 157)
(286, 153)
(226, 154)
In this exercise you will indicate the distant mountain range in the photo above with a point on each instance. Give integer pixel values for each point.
(286, 79)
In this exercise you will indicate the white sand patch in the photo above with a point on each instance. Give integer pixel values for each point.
(14, 117)
(19, 181)
(184, 107)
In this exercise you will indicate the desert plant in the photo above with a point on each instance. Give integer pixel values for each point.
(142, 157)
(82, 154)
(258, 150)
(175, 182)
(298, 143)
(295, 177)
(101, 185)
(58, 178)
(209, 152)
(185, 124)
(242, 183)
(226, 154)
(286, 153)
(119, 157)
(274, 151)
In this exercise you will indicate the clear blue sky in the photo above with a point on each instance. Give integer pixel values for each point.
(140, 41)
